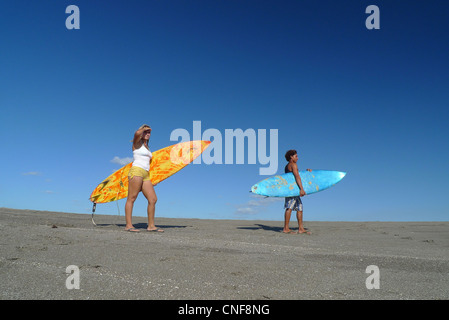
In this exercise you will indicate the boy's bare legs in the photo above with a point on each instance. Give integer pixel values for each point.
(288, 213)
(300, 223)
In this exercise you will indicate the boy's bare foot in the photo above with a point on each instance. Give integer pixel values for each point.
(155, 230)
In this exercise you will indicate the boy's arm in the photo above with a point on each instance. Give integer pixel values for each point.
(298, 180)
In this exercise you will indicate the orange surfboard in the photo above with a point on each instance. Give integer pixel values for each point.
(164, 163)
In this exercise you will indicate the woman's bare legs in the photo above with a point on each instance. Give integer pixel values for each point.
(134, 187)
(150, 194)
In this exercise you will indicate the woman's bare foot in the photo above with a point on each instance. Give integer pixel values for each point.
(132, 229)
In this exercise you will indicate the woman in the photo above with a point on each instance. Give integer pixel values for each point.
(139, 179)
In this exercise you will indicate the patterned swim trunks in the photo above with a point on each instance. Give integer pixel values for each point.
(293, 203)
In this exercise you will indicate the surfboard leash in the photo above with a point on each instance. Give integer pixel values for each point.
(93, 211)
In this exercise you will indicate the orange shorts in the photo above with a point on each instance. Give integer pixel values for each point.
(138, 172)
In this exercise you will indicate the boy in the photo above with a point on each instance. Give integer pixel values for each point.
(294, 203)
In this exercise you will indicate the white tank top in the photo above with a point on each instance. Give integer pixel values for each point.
(142, 157)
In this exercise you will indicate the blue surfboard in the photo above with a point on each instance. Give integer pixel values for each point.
(284, 185)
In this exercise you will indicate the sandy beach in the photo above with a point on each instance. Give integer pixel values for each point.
(219, 259)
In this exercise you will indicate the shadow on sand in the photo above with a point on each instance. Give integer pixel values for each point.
(263, 227)
(138, 225)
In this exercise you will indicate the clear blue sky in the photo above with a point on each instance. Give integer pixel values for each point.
(373, 103)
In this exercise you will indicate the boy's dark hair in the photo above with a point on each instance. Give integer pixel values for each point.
(289, 154)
